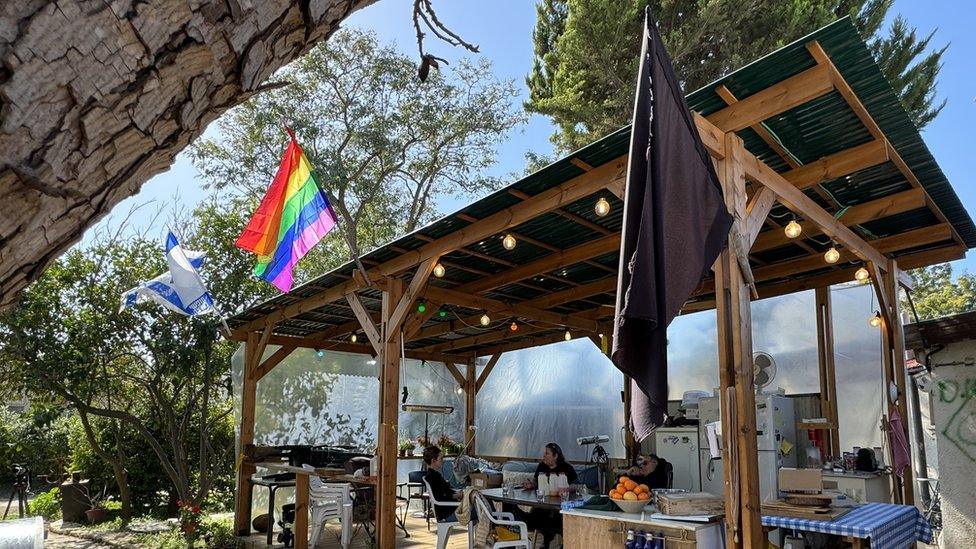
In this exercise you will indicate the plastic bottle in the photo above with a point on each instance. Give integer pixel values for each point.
(630, 540)
(641, 541)
(653, 542)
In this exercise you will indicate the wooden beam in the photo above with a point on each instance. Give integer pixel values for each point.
(900, 373)
(711, 135)
(904, 201)
(826, 362)
(527, 343)
(590, 289)
(413, 290)
(470, 400)
(818, 53)
(800, 203)
(487, 371)
(839, 164)
(497, 333)
(576, 254)
(242, 495)
(272, 361)
(760, 129)
(599, 229)
(792, 92)
(416, 321)
(566, 193)
(462, 298)
(388, 417)
(757, 211)
(354, 348)
(456, 373)
(365, 321)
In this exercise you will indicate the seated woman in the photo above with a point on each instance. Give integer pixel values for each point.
(440, 489)
(547, 522)
(650, 470)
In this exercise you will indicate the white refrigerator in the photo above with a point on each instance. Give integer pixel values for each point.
(775, 433)
(679, 446)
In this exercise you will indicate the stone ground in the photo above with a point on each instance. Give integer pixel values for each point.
(60, 541)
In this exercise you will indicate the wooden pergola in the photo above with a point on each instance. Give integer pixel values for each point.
(811, 132)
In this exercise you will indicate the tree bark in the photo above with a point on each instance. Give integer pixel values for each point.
(97, 96)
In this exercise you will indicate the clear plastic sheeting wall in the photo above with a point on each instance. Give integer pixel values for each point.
(554, 393)
(334, 399)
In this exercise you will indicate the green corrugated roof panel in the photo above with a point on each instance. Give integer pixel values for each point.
(811, 131)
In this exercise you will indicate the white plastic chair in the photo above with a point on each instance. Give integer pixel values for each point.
(328, 501)
(443, 528)
(502, 519)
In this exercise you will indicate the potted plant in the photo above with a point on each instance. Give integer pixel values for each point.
(406, 447)
(423, 441)
(96, 512)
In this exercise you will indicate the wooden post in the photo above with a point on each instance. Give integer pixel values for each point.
(899, 371)
(242, 499)
(733, 313)
(825, 355)
(389, 419)
(301, 511)
(470, 397)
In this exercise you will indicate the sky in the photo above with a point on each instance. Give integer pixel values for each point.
(504, 35)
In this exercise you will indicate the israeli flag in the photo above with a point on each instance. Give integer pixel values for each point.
(181, 289)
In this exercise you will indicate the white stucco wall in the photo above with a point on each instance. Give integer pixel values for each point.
(954, 400)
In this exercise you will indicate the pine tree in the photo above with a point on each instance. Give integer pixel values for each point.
(585, 58)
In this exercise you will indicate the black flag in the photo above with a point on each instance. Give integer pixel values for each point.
(675, 226)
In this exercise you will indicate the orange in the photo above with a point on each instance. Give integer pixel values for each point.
(621, 488)
(630, 485)
(614, 494)
(630, 496)
(644, 488)
(643, 496)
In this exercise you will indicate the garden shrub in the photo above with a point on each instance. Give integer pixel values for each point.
(47, 505)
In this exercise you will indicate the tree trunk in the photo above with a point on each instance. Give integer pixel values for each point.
(97, 97)
(125, 495)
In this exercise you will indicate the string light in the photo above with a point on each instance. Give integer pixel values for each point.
(371, 362)
(485, 319)
(513, 327)
(602, 207)
(508, 242)
(319, 353)
(460, 390)
(438, 270)
(352, 338)
(793, 229)
(832, 255)
(442, 313)
(876, 319)
(861, 275)
(421, 307)
(567, 336)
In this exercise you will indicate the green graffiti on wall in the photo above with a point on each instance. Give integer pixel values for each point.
(961, 427)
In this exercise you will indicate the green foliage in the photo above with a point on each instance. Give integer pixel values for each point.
(385, 146)
(937, 294)
(585, 59)
(36, 438)
(47, 505)
(214, 534)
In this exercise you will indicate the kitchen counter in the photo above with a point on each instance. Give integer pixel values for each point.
(861, 486)
(589, 529)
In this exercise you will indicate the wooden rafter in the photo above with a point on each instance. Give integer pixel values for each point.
(417, 283)
(456, 373)
(823, 60)
(489, 366)
(272, 361)
(778, 98)
(365, 321)
(599, 229)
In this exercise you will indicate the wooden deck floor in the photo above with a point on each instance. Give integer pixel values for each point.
(419, 537)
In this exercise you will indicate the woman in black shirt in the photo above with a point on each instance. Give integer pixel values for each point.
(553, 463)
(440, 489)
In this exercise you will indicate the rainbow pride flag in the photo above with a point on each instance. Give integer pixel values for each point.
(294, 215)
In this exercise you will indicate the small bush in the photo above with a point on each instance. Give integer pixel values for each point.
(214, 534)
(47, 504)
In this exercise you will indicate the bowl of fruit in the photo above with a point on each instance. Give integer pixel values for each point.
(630, 496)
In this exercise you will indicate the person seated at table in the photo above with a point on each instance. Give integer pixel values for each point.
(553, 463)
(440, 489)
(545, 521)
(650, 470)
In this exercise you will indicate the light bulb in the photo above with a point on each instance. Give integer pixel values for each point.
(442, 313)
(421, 307)
(861, 275)
(876, 319)
(371, 362)
(319, 353)
(602, 207)
(460, 390)
(485, 319)
(832, 255)
(438, 270)
(508, 242)
(793, 229)
(567, 336)
(352, 338)
(513, 327)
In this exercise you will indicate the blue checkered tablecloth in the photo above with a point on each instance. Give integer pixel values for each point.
(888, 526)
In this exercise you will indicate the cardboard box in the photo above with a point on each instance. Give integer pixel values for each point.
(802, 481)
(485, 480)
